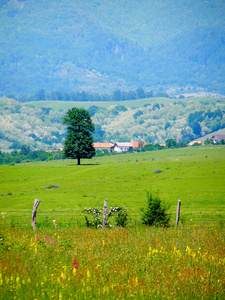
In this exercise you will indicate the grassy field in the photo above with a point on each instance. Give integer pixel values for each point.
(194, 175)
(65, 105)
(65, 260)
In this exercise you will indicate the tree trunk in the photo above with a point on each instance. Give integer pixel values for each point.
(78, 161)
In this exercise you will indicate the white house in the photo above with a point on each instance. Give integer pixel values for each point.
(218, 138)
(122, 147)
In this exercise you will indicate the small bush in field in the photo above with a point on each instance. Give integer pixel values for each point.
(95, 216)
(156, 213)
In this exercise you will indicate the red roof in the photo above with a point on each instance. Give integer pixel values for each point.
(137, 144)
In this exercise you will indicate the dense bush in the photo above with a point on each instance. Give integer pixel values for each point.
(151, 147)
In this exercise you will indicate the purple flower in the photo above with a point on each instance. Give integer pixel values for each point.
(75, 263)
(52, 242)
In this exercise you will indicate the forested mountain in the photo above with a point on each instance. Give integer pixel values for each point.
(103, 45)
(154, 120)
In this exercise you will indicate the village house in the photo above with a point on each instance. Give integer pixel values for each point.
(49, 151)
(119, 146)
(103, 146)
(195, 143)
(138, 145)
(218, 138)
(122, 147)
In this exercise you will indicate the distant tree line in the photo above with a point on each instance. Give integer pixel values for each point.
(117, 95)
(26, 155)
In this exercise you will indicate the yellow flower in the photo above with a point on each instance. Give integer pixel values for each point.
(150, 249)
(188, 250)
(155, 251)
(88, 273)
(136, 281)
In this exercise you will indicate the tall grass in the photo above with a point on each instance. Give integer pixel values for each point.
(146, 263)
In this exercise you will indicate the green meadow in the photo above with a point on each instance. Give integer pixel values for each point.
(63, 259)
(195, 175)
(65, 105)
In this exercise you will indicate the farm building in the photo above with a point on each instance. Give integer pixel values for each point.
(49, 151)
(195, 143)
(122, 147)
(138, 145)
(218, 138)
(103, 146)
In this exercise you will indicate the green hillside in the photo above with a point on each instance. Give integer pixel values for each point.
(100, 46)
(154, 120)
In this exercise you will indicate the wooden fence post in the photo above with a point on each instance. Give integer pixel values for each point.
(33, 219)
(105, 212)
(178, 212)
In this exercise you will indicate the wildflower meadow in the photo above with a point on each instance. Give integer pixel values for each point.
(84, 263)
(69, 256)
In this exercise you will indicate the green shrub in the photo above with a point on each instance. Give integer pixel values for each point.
(156, 213)
(121, 218)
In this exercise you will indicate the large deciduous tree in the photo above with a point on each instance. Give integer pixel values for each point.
(79, 140)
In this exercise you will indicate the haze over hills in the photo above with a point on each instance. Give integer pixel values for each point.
(102, 45)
